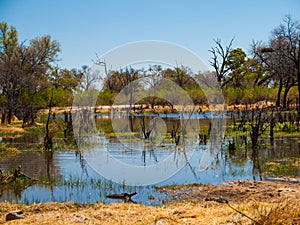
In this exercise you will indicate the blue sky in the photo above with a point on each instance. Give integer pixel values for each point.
(87, 27)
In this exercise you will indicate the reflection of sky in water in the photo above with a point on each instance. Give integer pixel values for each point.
(119, 170)
(86, 191)
(84, 187)
(221, 169)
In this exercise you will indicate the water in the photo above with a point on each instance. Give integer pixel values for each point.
(79, 182)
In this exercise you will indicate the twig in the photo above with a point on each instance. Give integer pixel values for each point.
(223, 200)
(243, 214)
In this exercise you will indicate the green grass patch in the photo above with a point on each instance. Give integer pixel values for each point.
(6, 150)
(283, 167)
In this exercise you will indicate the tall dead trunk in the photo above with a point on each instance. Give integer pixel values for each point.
(9, 115)
(278, 100)
(285, 94)
(11, 106)
(68, 132)
(3, 118)
(298, 79)
(48, 143)
(272, 125)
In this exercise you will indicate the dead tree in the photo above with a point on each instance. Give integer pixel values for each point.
(175, 133)
(259, 123)
(68, 131)
(145, 129)
(48, 143)
(219, 60)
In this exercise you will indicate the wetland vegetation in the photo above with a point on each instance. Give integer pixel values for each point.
(41, 159)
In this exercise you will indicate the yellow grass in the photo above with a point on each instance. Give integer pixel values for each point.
(178, 213)
(11, 129)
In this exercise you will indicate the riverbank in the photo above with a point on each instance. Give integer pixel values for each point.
(235, 202)
(107, 109)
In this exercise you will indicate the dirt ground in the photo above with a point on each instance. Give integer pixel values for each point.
(234, 191)
(236, 202)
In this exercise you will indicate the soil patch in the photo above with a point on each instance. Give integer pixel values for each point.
(250, 202)
(233, 191)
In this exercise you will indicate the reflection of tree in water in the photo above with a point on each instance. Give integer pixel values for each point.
(35, 165)
(7, 193)
(256, 170)
(190, 166)
(152, 154)
(82, 161)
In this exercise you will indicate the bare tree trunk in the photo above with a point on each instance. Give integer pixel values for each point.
(272, 125)
(146, 132)
(298, 79)
(285, 94)
(3, 118)
(9, 115)
(48, 144)
(278, 100)
(12, 103)
(68, 132)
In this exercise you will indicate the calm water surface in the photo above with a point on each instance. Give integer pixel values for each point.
(78, 182)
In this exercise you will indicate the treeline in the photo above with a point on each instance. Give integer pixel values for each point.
(154, 76)
(31, 80)
(28, 76)
(270, 72)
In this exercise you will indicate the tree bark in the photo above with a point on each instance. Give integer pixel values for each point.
(9, 116)
(285, 94)
(278, 100)
(298, 79)
(3, 118)
(48, 144)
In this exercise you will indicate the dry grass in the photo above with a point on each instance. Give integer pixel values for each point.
(286, 211)
(7, 151)
(178, 213)
(250, 202)
(11, 129)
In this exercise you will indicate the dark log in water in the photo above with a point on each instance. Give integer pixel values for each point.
(121, 196)
(124, 196)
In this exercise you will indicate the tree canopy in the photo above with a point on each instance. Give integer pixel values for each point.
(29, 74)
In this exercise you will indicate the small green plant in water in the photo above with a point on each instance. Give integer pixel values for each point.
(283, 167)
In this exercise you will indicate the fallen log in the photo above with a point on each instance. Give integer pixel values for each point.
(120, 196)
(125, 196)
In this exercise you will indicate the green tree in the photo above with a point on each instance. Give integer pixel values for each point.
(64, 82)
(8, 81)
(281, 55)
(182, 76)
(23, 68)
(235, 66)
(242, 84)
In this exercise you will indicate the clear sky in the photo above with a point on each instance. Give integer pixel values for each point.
(87, 27)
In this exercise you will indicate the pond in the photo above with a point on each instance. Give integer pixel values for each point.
(78, 180)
